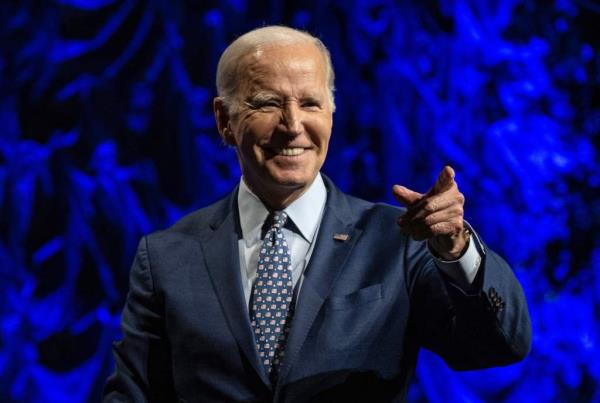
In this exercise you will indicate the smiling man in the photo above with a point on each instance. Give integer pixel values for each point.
(279, 115)
(289, 290)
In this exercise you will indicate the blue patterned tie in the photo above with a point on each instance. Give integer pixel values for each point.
(270, 311)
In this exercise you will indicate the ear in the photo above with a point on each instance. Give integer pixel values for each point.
(223, 121)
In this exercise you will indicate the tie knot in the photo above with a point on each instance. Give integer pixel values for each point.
(278, 217)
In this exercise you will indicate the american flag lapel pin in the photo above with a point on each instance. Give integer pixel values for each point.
(340, 237)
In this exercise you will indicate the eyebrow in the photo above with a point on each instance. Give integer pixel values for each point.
(263, 96)
(267, 96)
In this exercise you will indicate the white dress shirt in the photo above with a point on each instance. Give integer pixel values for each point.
(306, 214)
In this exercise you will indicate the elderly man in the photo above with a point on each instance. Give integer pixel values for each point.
(289, 290)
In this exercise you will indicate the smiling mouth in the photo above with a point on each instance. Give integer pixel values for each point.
(288, 151)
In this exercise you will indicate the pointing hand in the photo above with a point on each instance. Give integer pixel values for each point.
(436, 216)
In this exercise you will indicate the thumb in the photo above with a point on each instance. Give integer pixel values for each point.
(444, 180)
(405, 196)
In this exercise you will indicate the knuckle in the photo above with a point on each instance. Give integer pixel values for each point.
(437, 228)
(443, 228)
(430, 206)
(430, 219)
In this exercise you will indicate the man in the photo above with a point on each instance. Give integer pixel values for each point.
(289, 290)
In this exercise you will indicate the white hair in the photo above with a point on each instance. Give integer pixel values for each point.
(229, 69)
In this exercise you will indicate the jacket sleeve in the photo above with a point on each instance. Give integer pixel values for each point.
(142, 358)
(487, 326)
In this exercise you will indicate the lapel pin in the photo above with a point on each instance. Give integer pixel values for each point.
(340, 237)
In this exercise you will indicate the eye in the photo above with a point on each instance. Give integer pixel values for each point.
(311, 104)
(263, 104)
(270, 103)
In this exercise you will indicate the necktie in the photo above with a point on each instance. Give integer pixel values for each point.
(270, 311)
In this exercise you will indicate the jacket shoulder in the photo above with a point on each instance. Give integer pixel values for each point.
(357, 207)
(367, 210)
(199, 222)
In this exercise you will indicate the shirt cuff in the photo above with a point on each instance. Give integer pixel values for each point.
(464, 269)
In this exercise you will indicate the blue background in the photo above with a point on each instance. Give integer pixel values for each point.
(106, 133)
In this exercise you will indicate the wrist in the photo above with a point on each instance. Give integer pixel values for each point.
(452, 248)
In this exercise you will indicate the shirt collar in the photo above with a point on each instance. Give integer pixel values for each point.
(305, 212)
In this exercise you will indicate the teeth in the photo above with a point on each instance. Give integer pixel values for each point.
(291, 151)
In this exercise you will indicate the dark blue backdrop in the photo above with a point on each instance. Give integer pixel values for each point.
(107, 134)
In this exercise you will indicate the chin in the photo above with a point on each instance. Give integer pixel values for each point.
(290, 182)
(291, 179)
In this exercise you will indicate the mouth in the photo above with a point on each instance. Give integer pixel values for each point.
(290, 151)
(287, 151)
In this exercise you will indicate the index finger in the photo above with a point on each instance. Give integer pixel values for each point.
(444, 181)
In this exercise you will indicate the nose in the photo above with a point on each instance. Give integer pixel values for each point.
(290, 119)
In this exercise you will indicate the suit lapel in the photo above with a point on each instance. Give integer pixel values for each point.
(327, 260)
(222, 260)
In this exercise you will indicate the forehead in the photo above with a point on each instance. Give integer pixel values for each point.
(299, 65)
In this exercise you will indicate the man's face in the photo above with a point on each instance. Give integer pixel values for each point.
(282, 125)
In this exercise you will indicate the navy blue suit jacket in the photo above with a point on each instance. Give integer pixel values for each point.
(366, 306)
